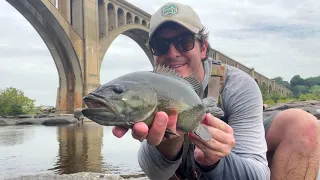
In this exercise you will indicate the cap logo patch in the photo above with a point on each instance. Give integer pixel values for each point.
(169, 10)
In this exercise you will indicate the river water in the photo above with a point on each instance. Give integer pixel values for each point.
(33, 149)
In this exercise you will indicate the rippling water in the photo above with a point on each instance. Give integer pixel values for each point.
(30, 149)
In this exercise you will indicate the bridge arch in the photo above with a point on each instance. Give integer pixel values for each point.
(61, 49)
(136, 32)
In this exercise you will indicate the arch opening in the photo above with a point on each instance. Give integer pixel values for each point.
(270, 88)
(129, 18)
(144, 23)
(111, 17)
(136, 20)
(102, 19)
(137, 33)
(116, 63)
(32, 68)
(120, 17)
(65, 58)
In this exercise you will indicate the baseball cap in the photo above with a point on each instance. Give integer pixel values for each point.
(178, 13)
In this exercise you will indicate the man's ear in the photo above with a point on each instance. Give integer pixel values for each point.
(204, 49)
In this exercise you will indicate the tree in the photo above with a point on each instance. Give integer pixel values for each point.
(313, 81)
(14, 102)
(297, 80)
(299, 89)
(280, 81)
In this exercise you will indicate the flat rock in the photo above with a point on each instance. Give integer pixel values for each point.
(76, 176)
(59, 121)
(8, 121)
(48, 121)
(313, 107)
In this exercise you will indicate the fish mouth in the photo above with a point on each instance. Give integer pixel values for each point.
(96, 102)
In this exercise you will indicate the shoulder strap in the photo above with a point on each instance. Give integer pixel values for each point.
(215, 86)
(216, 80)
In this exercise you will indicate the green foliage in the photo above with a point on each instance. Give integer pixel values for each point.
(315, 89)
(302, 90)
(13, 102)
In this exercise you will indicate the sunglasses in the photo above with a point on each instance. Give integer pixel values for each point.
(183, 43)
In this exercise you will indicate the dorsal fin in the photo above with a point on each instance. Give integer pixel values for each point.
(196, 84)
(166, 71)
(193, 81)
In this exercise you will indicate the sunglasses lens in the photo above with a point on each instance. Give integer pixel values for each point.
(159, 46)
(184, 43)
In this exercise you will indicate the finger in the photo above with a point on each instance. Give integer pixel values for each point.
(172, 120)
(119, 131)
(212, 145)
(157, 129)
(140, 131)
(212, 150)
(210, 120)
(201, 157)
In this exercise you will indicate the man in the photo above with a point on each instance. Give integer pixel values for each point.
(239, 143)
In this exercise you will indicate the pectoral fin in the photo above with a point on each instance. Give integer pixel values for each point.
(169, 133)
(203, 132)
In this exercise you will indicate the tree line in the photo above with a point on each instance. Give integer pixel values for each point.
(301, 90)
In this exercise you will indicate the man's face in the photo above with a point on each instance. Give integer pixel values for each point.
(185, 63)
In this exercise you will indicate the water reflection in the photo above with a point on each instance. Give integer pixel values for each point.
(79, 149)
(14, 135)
(27, 150)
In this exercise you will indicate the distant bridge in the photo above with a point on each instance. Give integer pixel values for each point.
(78, 33)
(259, 78)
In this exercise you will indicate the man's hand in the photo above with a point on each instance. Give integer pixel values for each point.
(154, 135)
(209, 153)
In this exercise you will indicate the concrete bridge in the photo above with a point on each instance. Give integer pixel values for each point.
(78, 34)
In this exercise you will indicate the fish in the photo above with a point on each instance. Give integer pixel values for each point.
(138, 96)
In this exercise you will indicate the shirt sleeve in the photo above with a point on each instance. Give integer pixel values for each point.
(154, 164)
(242, 102)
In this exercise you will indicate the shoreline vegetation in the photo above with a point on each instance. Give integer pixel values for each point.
(301, 90)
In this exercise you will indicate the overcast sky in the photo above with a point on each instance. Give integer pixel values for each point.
(268, 35)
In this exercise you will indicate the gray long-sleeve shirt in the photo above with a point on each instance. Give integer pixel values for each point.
(242, 103)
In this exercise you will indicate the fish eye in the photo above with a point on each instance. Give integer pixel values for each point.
(118, 89)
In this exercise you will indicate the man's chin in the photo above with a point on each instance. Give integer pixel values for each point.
(183, 70)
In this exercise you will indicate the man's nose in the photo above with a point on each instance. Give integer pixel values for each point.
(172, 51)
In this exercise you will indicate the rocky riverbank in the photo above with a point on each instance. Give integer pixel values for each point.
(80, 176)
(312, 107)
(47, 121)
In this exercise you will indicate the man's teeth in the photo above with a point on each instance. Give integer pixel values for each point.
(176, 66)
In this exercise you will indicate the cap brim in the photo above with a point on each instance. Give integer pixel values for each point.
(183, 24)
